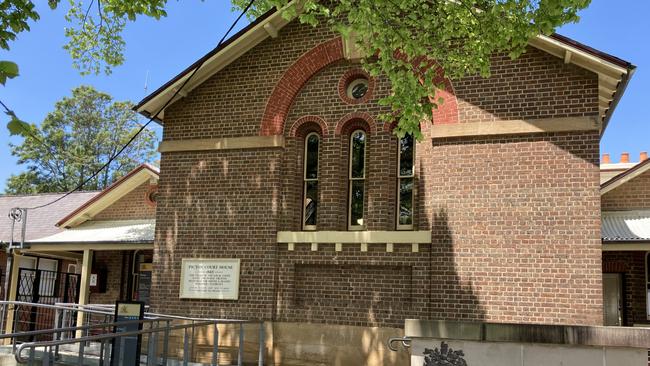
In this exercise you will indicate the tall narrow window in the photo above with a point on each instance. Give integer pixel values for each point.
(357, 180)
(405, 175)
(647, 275)
(310, 182)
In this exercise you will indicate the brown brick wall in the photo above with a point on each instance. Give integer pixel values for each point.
(537, 85)
(632, 266)
(633, 195)
(111, 261)
(130, 207)
(351, 287)
(514, 219)
(218, 204)
(520, 216)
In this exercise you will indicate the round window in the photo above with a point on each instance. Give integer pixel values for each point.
(357, 89)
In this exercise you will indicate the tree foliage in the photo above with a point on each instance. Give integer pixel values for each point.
(407, 41)
(410, 41)
(75, 140)
(95, 32)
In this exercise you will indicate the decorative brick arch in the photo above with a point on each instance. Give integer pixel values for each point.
(447, 112)
(316, 59)
(307, 119)
(361, 116)
(277, 107)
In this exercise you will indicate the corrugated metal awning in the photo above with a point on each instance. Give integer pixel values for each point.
(114, 231)
(625, 226)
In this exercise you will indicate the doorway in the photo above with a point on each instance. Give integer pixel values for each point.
(613, 299)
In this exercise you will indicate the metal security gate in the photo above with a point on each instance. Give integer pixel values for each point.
(39, 286)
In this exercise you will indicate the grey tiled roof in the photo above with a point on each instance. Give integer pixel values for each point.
(40, 222)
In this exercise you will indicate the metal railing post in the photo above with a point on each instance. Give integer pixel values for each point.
(107, 354)
(260, 357)
(240, 354)
(151, 346)
(4, 316)
(120, 357)
(31, 356)
(192, 340)
(45, 361)
(101, 353)
(80, 360)
(185, 348)
(215, 345)
(165, 344)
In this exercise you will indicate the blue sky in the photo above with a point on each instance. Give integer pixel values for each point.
(165, 47)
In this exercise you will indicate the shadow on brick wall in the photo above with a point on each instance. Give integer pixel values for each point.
(452, 297)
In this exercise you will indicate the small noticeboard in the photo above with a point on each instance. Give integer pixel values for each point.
(129, 355)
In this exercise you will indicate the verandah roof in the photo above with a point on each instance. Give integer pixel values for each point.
(110, 231)
(625, 226)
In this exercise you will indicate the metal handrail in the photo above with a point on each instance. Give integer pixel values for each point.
(105, 339)
(49, 306)
(101, 337)
(151, 331)
(69, 329)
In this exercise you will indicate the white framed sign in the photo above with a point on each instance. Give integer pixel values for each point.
(216, 278)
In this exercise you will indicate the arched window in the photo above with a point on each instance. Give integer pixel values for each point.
(405, 181)
(310, 181)
(357, 180)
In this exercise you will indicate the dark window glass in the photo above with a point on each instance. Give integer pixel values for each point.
(358, 146)
(311, 158)
(310, 188)
(311, 201)
(356, 202)
(359, 90)
(406, 201)
(405, 180)
(406, 156)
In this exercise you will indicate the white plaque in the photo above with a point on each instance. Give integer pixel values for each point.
(93, 279)
(210, 279)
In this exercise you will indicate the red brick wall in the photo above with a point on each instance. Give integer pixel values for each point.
(130, 207)
(514, 219)
(634, 194)
(632, 266)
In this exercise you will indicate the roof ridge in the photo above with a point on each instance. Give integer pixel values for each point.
(44, 194)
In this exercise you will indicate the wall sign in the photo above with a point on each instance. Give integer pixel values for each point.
(210, 279)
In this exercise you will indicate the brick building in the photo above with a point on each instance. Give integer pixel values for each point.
(272, 154)
(625, 202)
(88, 247)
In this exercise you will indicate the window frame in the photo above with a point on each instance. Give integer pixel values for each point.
(306, 180)
(351, 180)
(399, 226)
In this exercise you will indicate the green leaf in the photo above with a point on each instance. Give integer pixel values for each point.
(8, 70)
(17, 127)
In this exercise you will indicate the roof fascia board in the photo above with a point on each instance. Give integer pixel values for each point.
(219, 60)
(609, 246)
(109, 196)
(584, 59)
(66, 247)
(624, 177)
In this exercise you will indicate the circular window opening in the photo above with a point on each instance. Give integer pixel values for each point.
(357, 88)
(151, 197)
